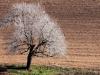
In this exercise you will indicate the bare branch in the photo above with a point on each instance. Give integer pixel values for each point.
(34, 26)
(24, 51)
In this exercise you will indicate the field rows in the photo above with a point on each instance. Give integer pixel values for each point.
(80, 22)
(69, 61)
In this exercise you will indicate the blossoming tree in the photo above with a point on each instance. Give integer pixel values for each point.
(34, 32)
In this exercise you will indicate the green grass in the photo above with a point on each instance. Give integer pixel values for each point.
(35, 70)
(47, 70)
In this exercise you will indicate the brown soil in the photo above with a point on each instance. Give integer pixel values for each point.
(80, 21)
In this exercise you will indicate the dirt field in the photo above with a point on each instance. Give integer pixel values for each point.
(80, 21)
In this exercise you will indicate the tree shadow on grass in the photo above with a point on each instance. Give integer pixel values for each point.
(5, 68)
(15, 67)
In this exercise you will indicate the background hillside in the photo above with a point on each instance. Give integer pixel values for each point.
(80, 21)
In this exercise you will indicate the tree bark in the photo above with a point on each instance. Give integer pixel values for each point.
(29, 58)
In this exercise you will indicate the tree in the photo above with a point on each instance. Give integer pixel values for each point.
(35, 32)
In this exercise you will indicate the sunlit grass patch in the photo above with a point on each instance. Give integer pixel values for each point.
(52, 70)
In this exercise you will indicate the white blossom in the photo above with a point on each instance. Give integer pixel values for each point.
(33, 25)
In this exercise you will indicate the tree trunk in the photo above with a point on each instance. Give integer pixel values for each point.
(29, 58)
